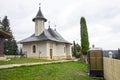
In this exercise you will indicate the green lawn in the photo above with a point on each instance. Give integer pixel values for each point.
(22, 60)
(58, 71)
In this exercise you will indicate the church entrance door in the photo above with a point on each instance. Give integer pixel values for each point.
(50, 53)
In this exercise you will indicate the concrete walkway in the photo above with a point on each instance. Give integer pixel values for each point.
(29, 64)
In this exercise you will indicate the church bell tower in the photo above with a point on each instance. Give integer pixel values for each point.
(39, 23)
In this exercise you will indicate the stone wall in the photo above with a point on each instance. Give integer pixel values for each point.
(111, 69)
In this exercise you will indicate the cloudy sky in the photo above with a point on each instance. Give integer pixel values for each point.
(102, 16)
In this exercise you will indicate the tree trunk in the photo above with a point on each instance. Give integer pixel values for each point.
(83, 58)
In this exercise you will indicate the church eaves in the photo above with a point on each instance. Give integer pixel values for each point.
(48, 34)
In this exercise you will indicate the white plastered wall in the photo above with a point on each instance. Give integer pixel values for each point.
(68, 51)
(41, 46)
(59, 50)
(39, 27)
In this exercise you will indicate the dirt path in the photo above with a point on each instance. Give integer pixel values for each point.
(28, 64)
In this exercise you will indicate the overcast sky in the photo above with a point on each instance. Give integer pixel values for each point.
(102, 17)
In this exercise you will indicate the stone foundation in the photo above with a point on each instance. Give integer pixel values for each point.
(53, 58)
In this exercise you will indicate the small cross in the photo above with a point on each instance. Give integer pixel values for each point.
(39, 5)
(49, 24)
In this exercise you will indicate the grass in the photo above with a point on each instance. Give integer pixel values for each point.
(22, 60)
(58, 71)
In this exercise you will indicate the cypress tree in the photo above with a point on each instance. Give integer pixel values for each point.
(84, 36)
(10, 45)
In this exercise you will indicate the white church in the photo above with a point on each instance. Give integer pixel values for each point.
(46, 43)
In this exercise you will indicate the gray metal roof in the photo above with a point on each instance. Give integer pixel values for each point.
(48, 34)
(39, 16)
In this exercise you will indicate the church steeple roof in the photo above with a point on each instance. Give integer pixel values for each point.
(40, 15)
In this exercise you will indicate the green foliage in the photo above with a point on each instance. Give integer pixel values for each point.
(57, 71)
(10, 45)
(1, 26)
(84, 36)
(74, 49)
(5, 23)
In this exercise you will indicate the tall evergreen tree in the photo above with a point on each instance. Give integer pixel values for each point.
(74, 49)
(10, 45)
(5, 23)
(84, 37)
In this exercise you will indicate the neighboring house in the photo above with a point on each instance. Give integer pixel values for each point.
(46, 43)
(3, 35)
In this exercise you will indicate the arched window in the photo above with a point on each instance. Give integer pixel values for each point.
(34, 49)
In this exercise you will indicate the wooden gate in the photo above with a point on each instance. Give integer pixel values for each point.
(95, 60)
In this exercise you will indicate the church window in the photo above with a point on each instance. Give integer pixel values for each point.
(34, 49)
